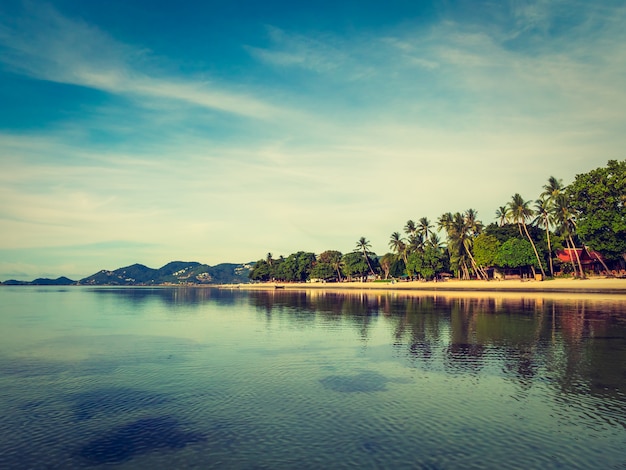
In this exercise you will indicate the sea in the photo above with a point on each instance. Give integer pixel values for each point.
(164, 378)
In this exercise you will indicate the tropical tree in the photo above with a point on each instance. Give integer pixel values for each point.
(332, 259)
(364, 246)
(565, 218)
(354, 265)
(552, 189)
(398, 246)
(410, 228)
(486, 249)
(261, 271)
(543, 209)
(424, 228)
(426, 263)
(461, 229)
(386, 263)
(520, 213)
(516, 253)
(599, 198)
(502, 214)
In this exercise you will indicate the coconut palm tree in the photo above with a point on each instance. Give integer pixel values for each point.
(502, 214)
(424, 228)
(364, 245)
(435, 242)
(410, 228)
(566, 220)
(520, 213)
(552, 190)
(543, 209)
(461, 230)
(398, 246)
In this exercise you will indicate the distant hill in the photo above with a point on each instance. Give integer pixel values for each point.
(173, 273)
(42, 281)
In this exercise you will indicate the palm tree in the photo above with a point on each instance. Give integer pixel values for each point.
(415, 243)
(410, 228)
(398, 246)
(424, 228)
(502, 215)
(552, 190)
(364, 245)
(461, 230)
(545, 206)
(435, 242)
(566, 220)
(520, 212)
(543, 209)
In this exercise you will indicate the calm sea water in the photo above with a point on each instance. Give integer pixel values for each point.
(205, 378)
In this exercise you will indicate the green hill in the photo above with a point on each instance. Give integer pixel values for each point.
(173, 273)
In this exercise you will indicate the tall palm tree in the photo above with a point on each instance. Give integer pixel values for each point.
(502, 214)
(461, 230)
(435, 242)
(566, 219)
(410, 228)
(424, 227)
(364, 245)
(415, 243)
(398, 246)
(543, 209)
(520, 212)
(552, 190)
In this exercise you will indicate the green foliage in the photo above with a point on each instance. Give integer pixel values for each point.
(355, 265)
(323, 271)
(515, 253)
(486, 248)
(599, 197)
(504, 232)
(426, 263)
(297, 267)
(261, 271)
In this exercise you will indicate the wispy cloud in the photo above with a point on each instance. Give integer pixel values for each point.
(49, 46)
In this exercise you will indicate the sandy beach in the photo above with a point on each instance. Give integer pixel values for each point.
(580, 286)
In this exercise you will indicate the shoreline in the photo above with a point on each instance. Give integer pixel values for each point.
(580, 286)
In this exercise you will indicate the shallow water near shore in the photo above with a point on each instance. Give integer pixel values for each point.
(209, 378)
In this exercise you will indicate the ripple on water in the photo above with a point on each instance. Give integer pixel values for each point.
(111, 400)
(139, 437)
(367, 381)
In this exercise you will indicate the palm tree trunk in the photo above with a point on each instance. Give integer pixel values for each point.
(582, 273)
(571, 258)
(368, 262)
(535, 250)
(338, 272)
(604, 265)
(549, 248)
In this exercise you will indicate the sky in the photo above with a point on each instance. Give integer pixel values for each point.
(147, 131)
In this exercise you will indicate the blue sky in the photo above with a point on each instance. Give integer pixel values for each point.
(150, 131)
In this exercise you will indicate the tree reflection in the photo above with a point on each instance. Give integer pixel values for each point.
(577, 345)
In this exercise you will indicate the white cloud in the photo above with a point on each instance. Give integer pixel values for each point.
(49, 46)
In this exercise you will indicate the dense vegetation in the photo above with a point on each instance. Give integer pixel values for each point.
(590, 213)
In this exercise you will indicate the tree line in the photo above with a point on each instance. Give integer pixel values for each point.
(527, 234)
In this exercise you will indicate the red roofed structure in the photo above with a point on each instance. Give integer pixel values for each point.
(589, 259)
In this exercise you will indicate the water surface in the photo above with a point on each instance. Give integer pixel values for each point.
(205, 378)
